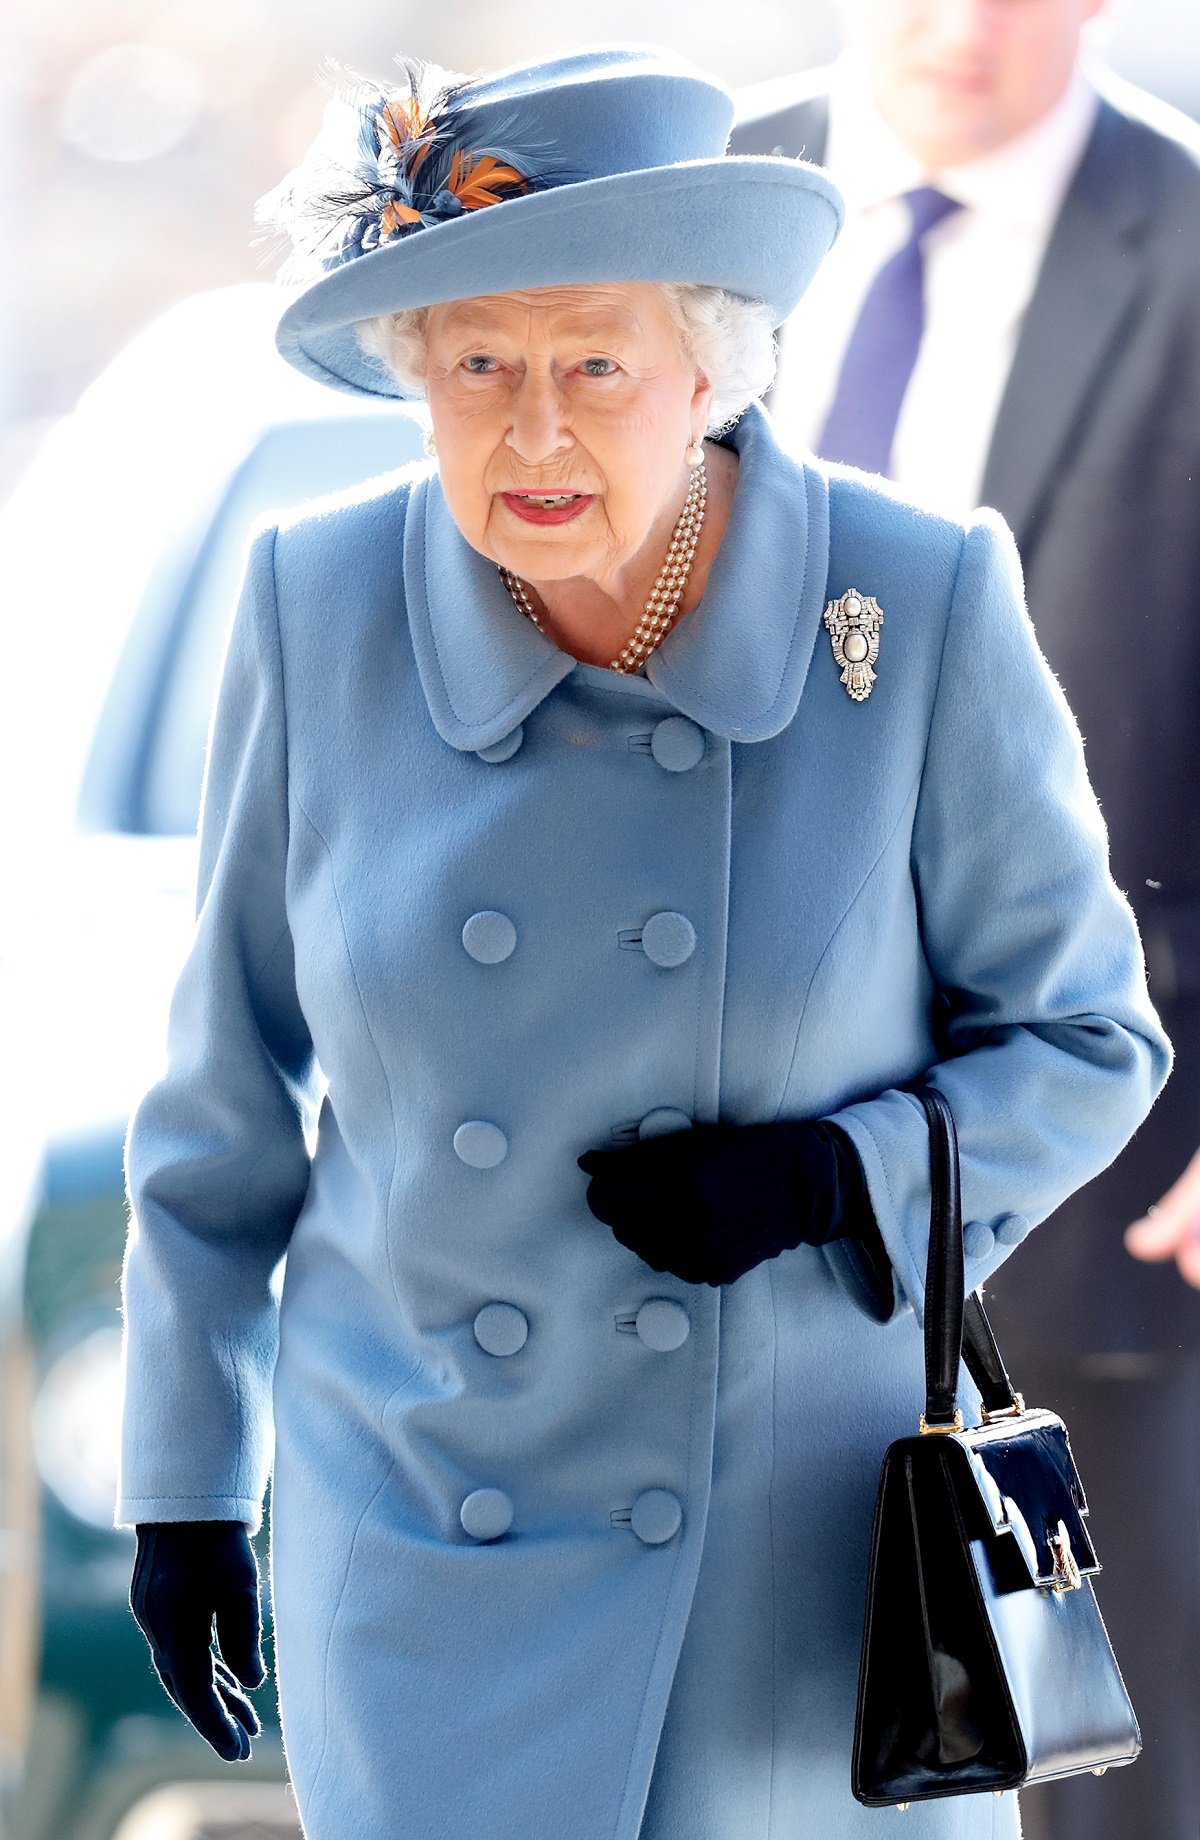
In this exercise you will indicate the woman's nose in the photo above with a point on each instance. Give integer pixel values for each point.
(539, 429)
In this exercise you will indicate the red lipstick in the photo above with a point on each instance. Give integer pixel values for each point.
(547, 507)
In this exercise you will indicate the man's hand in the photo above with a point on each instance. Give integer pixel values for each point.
(1171, 1229)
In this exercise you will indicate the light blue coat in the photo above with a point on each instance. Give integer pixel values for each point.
(673, 1607)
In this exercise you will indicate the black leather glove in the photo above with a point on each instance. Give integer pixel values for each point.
(185, 1575)
(711, 1203)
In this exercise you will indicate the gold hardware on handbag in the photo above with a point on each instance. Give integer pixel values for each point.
(927, 1430)
(1015, 1410)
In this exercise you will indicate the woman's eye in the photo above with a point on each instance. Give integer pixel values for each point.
(599, 367)
(479, 364)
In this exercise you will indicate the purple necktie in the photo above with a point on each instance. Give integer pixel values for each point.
(883, 347)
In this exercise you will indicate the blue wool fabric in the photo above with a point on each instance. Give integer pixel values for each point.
(860, 427)
(576, 1553)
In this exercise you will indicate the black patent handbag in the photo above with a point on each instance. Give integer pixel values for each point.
(985, 1662)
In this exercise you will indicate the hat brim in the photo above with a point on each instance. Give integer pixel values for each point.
(758, 227)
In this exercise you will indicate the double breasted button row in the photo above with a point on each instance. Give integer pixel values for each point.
(655, 1517)
(502, 1329)
(676, 744)
(482, 1145)
(668, 939)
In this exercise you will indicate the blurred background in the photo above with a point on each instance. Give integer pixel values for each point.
(144, 422)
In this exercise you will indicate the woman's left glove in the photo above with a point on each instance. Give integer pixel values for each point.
(188, 1576)
(711, 1203)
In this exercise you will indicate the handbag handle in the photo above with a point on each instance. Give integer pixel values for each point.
(956, 1327)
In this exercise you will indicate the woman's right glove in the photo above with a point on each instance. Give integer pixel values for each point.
(186, 1575)
(710, 1203)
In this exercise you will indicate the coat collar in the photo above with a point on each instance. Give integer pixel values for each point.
(737, 663)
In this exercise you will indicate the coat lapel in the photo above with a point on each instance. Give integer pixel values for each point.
(737, 664)
(1085, 290)
(482, 665)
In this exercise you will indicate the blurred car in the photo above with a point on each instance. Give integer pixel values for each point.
(120, 553)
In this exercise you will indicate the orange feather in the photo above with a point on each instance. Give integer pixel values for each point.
(482, 181)
(404, 120)
(394, 215)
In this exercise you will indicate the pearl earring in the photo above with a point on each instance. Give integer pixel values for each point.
(429, 444)
(694, 455)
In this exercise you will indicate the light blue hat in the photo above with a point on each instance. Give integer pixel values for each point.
(605, 166)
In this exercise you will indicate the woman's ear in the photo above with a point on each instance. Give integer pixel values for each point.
(700, 411)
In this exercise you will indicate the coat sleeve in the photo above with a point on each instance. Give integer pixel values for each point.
(217, 1160)
(1052, 1053)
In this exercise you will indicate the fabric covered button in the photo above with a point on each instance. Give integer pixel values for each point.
(489, 937)
(486, 1514)
(500, 1328)
(978, 1240)
(668, 939)
(663, 1119)
(503, 750)
(479, 1144)
(677, 744)
(1012, 1229)
(656, 1516)
(663, 1324)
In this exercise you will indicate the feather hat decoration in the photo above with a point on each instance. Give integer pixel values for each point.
(391, 161)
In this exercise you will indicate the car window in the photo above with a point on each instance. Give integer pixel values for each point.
(290, 463)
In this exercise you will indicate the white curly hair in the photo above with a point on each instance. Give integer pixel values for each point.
(730, 340)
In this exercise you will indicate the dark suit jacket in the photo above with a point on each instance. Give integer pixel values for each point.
(1095, 463)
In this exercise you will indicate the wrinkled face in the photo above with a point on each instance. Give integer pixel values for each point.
(561, 417)
(955, 79)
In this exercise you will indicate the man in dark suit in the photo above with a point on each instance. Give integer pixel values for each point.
(1051, 368)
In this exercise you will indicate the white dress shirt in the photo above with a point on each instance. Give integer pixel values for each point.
(981, 264)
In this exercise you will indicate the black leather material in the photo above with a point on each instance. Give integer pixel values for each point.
(973, 1677)
(985, 1363)
(1029, 1486)
(944, 1277)
(985, 1662)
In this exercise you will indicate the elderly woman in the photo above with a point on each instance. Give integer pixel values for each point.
(616, 789)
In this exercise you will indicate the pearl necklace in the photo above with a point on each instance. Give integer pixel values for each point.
(667, 592)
